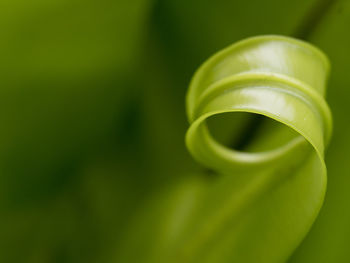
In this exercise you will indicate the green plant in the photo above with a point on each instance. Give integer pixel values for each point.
(93, 163)
(280, 168)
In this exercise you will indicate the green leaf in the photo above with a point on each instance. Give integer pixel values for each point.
(264, 219)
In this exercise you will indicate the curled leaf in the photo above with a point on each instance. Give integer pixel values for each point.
(280, 170)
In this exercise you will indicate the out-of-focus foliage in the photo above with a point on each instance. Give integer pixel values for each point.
(93, 164)
(67, 91)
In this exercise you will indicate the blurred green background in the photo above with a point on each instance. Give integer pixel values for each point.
(92, 106)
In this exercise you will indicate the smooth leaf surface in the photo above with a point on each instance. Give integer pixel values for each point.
(275, 77)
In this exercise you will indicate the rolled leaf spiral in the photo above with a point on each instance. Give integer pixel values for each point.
(282, 79)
